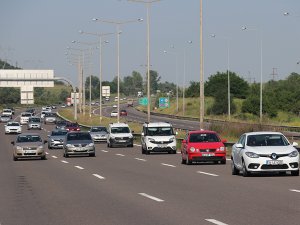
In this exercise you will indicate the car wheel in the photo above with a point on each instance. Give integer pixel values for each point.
(183, 161)
(174, 152)
(143, 151)
(223, 161)
(108, 145)
(43, 157)
(245, 171)
(234, 170)
(92, 154)
(49, 147)
(147, 152)
(15, 158)
(295, 173)
(66, 155)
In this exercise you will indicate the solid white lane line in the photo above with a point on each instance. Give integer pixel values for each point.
(151, 197)
(104, 151)
(294, 190)
(209, 174)
(63, 161)
(141, 159)
(120, 155)
(79, 167)
(216, 222)
(98, 176)
(55, 157)
(169, 165)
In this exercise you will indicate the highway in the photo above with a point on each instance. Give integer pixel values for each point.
(122, 186)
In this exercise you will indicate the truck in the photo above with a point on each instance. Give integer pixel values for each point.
(130, 103)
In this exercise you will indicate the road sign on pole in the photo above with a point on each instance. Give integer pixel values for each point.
(164, 102)
(143, 101)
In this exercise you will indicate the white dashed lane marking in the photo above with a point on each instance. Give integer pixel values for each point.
(79, 167)
(294, 190)
(169, 165)
(98, 176)
(216, 222)
(104, 151)
(63, 161)
(120, 155)
(141, 159)
(209, 174)
(151, 197)
(55, 157)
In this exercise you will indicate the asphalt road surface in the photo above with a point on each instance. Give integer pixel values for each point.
(122, 186)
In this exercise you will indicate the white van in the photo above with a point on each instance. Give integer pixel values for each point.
(119, 134)
(158, 137)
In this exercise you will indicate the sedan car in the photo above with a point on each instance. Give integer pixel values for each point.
(258, 152)
(203, 146)
(114, 114)
(123, 112)
(50, 118)
(5, 118)
(79, 143)
(72, 126)
(34, 123)
(13, 128)
(28, 145)
(99, 133)
(56, 139)
(61, 124)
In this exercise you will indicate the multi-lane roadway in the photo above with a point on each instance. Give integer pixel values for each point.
(122, 186)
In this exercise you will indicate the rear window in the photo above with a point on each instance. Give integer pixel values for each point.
(78, 136)
(35, 120)
(204, 137)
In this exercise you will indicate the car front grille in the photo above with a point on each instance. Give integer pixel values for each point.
(29, 148)
(122, 138)
(207, 150)
(271, 167)
(161, 142)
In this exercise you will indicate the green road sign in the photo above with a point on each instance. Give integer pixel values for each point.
(143, 101)
(164, 103)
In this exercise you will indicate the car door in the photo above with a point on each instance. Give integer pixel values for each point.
(185, 145)
(236, 151)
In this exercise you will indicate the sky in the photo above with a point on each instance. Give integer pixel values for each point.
(35, 34)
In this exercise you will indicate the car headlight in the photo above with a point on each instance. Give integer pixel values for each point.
(294, 153)
(112, 137)
(151, 140)
(172, 139)
(91, 145)
(251, 155)
(221, 149)
(52, 140)
(19, 148)
(40, 147)
(70, 146)
(192, 149)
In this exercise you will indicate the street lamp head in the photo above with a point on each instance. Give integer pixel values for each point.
(140, 19)
(298, 62)
(165, 51)
(244, 28)
(286, 13)
(80, 31)
(213, 35)
(106, 42)
(73, 42)
(95, 19)
(190, 42)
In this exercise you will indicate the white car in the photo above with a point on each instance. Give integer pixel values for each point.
(8, 112)
(25, 117)
(114, 114)
(257, 152)
(13, 128)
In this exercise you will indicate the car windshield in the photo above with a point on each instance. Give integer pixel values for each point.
(203, 137)
(50, 115)
(5, 116)
(59, 133)
(267, 140)
(26, 115)
(116, 130)
(78, 136)
(6, 110)
(61, 123)
(29, 138)
(13, 124)
(159, 131)
(98, 129)
(72, 125)
(35, 120)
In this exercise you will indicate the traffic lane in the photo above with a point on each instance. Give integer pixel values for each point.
(264, 197)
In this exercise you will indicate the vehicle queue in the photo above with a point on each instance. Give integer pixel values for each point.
(254, 152)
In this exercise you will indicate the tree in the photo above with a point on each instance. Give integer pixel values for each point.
(220, 106)
(154, 80)
(193, 90)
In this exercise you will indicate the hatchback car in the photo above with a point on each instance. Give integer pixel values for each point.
(114, 114)
(123, 112)
(79, 143)
(257, 152)
(98, 133)
(61, 124)
(203, 146)
(72, 126)
(28, 145)
(50, 118)
(34, 123)
(56, 139)
(13, 128)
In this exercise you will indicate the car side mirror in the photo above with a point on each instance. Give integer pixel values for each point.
(13, 143)
(176, 133)
(239, 145)
(132, 131)
(45, 141)
(184, 142)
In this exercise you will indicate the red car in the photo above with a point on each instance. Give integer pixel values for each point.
(203, 146)
(72, 127)
(123, 112)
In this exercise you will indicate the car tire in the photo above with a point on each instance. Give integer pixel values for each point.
(66, 155)
(174, 152)
(92, 154)
(147, 152)
(223, 161)
(143, 151)
(234, 170)
(295, 173)
(49, 147)
(245, 171)
(15, 158)
(183, 161)
(43, 157)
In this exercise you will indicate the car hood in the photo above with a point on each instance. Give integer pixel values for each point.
(57, 137)
(74, 142)
(29, 144)
(98, 133)
(122, 135)
(12, 127)
(271, 149)
(206, 145)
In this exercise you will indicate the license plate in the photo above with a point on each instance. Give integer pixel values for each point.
(29, 151)
(208, 154)
(274, 162)
(162, 146)
(122, 141)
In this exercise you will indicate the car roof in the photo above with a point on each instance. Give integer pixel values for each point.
(157, 124)
(202, 131)
(118, 125)
(262, 132)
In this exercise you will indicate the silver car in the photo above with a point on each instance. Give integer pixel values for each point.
(56, 138)
(50, 118)
(34, 123)
(5, 118)
(28, 145)
(99, 133)
(13, 128)
(79, 143)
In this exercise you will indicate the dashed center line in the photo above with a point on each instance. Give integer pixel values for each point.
(151, 197)
(141, 159)
(63, 161)
(98, 176)
(209, 174)
(169, 165)
(216, 222)
(294, 190)
(79, 167)
(104, 151)
(55, 157)
(120, 155)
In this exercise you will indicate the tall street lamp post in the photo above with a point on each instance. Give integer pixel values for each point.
(118, 24)
(261, 75)
(148, 4)
(201, 70)
(184, 77)
(228, 75)
(100, 36)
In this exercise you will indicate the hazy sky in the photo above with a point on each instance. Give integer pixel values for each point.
(36, 34)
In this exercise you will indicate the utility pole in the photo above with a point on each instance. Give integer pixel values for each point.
(274, 73)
